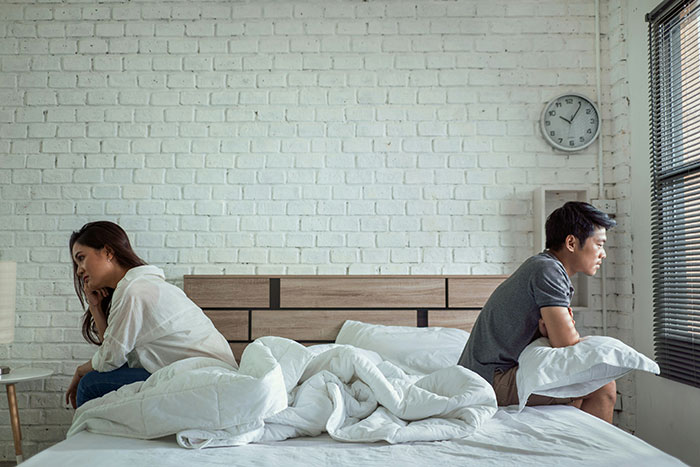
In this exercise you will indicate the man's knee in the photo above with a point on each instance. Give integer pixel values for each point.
(611, 391)
(607, 393)
(576, 403)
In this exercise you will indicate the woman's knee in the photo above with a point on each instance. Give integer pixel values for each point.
(95, 384)
(87, 380)
(85, 388)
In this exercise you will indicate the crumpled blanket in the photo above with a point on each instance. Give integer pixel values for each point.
(283, 389)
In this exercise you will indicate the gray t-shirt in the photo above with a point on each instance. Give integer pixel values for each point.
(510, 319)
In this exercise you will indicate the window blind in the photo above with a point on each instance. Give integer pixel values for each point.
(674, 62)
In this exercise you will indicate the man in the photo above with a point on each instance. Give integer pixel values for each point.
(535, 301)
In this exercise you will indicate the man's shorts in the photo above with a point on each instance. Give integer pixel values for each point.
(506, 390)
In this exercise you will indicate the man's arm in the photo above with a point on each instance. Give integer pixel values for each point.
(558, 323)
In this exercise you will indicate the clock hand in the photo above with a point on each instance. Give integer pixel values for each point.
(567, 121)
(574, 115)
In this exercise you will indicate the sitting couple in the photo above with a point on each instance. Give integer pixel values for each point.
(535, 301)
(142, 323)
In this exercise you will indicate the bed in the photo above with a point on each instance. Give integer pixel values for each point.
(311, 310)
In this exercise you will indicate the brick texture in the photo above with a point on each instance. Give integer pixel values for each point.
(322, 137)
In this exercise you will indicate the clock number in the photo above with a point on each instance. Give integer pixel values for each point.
(593, 121)
(551, 133)
(581, 139)
(552, 113)
(589, 131)
(569, 100)
(547, 123)
(571, 142)
(560, 140)
(557, 104)
(588, 111)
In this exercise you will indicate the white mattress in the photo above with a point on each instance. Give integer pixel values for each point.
(537, 436)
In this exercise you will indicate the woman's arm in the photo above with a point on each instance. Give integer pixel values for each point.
(125, 323)
(100, 320)
(72, 391)
(94, 298)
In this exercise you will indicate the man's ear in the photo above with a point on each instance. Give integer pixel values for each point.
(570, 243)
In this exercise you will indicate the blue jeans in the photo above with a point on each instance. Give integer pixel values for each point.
(96, 384)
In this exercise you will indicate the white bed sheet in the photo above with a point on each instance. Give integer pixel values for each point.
(536, 436)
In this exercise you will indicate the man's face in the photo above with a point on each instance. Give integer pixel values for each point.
(589, 258)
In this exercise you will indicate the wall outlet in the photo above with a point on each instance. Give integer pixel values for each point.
(608, 206)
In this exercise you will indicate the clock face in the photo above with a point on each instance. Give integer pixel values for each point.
(570, 122)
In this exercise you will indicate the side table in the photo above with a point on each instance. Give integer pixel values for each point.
(17, 376)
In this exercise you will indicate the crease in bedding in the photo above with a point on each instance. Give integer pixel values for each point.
(283, 390)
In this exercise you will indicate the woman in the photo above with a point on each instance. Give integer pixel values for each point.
(140, 322)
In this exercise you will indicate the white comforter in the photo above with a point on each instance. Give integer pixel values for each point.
(283, 389)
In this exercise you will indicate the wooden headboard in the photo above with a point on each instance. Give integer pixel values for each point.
(311, 309)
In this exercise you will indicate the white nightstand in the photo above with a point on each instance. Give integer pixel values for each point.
(17, 376)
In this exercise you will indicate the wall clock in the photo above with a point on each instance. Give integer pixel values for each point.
(570, 122)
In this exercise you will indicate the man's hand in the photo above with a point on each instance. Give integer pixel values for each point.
(557, 323)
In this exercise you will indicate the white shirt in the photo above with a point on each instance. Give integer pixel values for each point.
(153, 323)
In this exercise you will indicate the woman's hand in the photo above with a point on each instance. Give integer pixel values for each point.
(72, 390)
(94, 296)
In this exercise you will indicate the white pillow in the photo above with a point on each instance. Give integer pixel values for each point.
(414, 350)
(576, 370)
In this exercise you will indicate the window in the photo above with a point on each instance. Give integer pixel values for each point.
(674, 60)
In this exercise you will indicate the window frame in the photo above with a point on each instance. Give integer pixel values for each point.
(674, 93)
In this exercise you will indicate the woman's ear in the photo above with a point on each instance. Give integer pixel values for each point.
(109, 252)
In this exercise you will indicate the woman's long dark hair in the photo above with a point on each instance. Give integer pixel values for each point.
(98, 235)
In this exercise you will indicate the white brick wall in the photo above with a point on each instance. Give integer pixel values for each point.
(327, 137)
(617, 171)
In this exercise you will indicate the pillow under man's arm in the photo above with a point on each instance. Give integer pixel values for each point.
(560, 326)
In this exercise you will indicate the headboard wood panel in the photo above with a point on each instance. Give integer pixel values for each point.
(460, 319)
(364, 292)
(311, 309)
(470, 292)
(232, 324)
(228, 291)
(321, 325)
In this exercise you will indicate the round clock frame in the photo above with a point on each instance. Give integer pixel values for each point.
(552, 122)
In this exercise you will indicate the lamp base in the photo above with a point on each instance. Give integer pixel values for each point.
(4, 370)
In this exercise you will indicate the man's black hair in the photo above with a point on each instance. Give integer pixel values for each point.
(577, 219)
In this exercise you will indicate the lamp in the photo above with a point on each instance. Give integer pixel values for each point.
(8, 288)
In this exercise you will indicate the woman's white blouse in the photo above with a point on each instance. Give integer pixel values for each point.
(153, 323)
